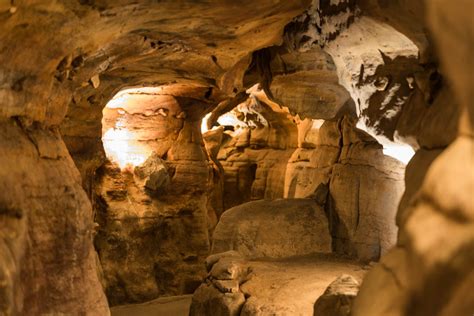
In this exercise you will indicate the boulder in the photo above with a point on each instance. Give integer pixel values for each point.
(338, 297)
(274, 229)
(154, 172)
(220, 293)
(208, 300)
(229, 268)
(212, 259)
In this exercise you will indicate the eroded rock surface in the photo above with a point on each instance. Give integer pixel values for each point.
(273, 229)
(430, 271)
(338, 297)
(47, 261)
(313, 55)
(285, 286)
(156, 195)
(221, 294)
(340, 166)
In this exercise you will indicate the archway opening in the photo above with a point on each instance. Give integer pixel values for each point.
(152, 193)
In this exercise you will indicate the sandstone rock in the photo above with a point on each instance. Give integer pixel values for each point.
(157, 180)
(213, 140)
(321, 194)
(172, 230)
(154, 172)
(230, 268)
(429, 273)
(36, 206)
(438, 235)
(307, 169)
(415, 174)
(207, 300)
(279, 228)
(361, 65)
(440, 124)
(389, 280)
(211, 52)
(227, 286)
(212, 259)
(311, 74)
(364, 202)
(338, 298)
(253, 174)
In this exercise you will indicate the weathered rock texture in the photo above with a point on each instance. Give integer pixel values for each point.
(254, 156)
(273, 229)
(338, 297)
(339, 166)
(153, 218)
(431, 269)
(61, 61)
(287, 286)
(47, 262)
(84, 52)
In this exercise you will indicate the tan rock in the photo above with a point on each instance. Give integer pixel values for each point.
(274, 229)
(212, 259)
(207, 300)
(227, 286)
(230, 268)
(36, 206)
(338, 298)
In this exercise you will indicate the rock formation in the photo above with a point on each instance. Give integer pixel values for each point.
(273, 229)
(137, 138)
(338, 297)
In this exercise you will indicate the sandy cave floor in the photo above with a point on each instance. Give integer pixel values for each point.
(289, 285)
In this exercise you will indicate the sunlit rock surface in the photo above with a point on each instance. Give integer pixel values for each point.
(430, 272)
(151, 199)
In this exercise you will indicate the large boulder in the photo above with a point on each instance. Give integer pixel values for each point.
(274, 229)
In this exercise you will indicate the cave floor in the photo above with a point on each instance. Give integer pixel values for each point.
(276, 286)
(164, 306)
(290, 286)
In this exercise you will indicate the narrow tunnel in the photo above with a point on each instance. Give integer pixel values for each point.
(207, 158)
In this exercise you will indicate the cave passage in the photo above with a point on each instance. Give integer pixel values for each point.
(341, 190)
(211, 158)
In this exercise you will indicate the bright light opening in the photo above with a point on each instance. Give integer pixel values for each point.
(123, 135)
(399, 149)
(402, 153)
(122, 148)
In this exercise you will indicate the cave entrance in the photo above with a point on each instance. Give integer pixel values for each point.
(134, 126)
(151, 194)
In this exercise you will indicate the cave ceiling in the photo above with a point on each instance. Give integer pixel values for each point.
(308, 56)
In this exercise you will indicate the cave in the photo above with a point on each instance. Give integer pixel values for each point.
(210, 158)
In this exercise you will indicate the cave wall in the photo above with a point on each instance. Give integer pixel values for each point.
(48, 264)
(84, 52)
(340, 166)
(430, 270)
(346, 171)
(153, 218)
(254, 156)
